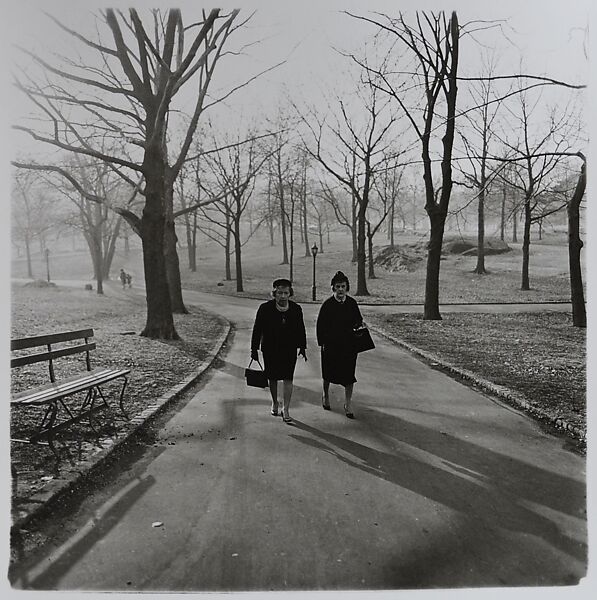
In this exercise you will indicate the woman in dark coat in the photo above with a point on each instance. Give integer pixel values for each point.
(279, 330)
(338, 317)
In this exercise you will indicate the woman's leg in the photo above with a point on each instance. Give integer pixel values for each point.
(287, 396)
(348, 398)
(326, 394)
(273, 390)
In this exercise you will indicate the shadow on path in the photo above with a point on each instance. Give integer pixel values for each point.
(476, 482)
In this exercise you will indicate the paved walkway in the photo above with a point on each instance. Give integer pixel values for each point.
(433, 485)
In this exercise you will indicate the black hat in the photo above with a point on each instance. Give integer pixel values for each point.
(339, 277)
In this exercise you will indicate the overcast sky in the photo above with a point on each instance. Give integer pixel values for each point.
(547, 35)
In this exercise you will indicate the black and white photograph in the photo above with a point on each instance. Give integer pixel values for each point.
(297, 298)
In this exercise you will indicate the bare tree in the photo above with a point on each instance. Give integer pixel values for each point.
(235, 170)
(538, 151)
(98, 222)
(480, 119)
(382, 213)
(358, 150)
(433, 41)
(33, 212)
(387, 185)
(345, 212)
(126, 96)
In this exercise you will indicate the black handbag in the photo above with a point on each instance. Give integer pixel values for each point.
(363, 340)
(256, 377)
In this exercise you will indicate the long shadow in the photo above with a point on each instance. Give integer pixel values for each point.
(559, 492)
(506, 473)
(509, 474)
(472, 479)
(498, 503)
(50, 578)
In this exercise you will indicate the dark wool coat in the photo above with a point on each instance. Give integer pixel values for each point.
(335, 324)
(279, 335)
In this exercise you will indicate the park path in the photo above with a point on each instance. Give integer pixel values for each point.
(433, 485)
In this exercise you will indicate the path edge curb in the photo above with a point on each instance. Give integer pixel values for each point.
(502, 392)
(43, 499)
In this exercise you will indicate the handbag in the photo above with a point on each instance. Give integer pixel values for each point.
(256, 377)
(362, 340)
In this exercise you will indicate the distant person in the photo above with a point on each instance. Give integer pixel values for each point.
(129, 280)
(123, 278)
(279, 331)
(338, 317)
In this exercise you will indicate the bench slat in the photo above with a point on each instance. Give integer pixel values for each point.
(52, 338)
(51, 392)
(43, 356)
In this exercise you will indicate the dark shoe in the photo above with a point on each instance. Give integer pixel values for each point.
(326, 406)
(286, 418)
(274, 411)
(349, 415)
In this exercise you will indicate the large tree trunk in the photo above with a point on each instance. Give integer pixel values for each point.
(434, 253)
(193, 245)
(284, 236)
(361, 251)
(190, 247)
(503, 215)
(159, 322)
(370, 252)
(237, 256)
(480, 267)
(575, 244)
(354, 230)
(438, 212)
(526, 246)
(228, 249)
(171, 254)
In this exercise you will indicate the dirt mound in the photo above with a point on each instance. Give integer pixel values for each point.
(404, 257)
(468, 246)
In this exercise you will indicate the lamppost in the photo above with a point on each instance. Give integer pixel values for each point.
(314, 250)
(47, 252)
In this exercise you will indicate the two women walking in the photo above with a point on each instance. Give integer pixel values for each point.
(279, 331)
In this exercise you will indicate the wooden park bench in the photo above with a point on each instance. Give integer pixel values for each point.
(50, 399)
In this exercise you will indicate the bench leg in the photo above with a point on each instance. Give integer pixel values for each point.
(50, 430)
(120, 399)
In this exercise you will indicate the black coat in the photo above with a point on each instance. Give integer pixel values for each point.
(275, 331)
(335, 324)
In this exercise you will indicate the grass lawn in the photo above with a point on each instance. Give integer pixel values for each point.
(539, 355)
(156, 366)
(261, 264)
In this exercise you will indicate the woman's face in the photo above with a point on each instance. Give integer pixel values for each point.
(281, 294)
(339, 290)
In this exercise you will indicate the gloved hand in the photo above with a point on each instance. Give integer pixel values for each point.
(254, 355)
(303, 353)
